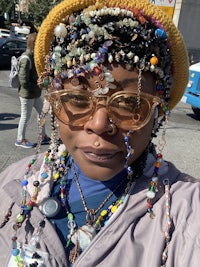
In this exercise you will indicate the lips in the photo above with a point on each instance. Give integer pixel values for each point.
(98, 155)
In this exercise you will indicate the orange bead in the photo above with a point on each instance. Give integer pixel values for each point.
(157, 164)
(154, 60)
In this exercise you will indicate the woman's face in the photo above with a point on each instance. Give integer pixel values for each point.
(106, 159)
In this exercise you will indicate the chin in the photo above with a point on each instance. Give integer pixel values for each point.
(101, 173)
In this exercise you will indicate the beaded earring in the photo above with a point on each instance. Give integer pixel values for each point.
(159, 158)
(130, 152)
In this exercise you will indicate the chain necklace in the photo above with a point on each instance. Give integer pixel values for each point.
(82, 237)
(91, 213)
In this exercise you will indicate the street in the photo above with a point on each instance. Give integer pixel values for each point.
(182, 135)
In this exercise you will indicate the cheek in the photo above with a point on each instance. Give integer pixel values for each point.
(67, 136)
(141, 139)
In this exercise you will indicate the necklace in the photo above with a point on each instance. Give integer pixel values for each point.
(91, 213)
(82, 237)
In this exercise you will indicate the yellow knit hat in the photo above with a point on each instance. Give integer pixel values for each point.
(178, 50)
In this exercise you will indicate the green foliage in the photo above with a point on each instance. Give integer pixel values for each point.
(6, 6)
(39, 9)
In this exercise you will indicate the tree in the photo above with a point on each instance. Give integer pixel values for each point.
(39, 9)
(6, 6)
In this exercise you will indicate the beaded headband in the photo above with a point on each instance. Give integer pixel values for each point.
(85, 35)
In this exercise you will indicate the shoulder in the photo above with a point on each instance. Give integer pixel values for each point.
(183, 187)
(185, 203)
(17, 170)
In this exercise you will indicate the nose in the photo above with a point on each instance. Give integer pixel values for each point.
(99, 123)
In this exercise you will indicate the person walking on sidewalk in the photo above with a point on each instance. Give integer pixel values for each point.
(29, 94)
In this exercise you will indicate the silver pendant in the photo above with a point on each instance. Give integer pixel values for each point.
(51, 207)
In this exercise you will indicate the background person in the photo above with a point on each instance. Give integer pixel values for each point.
(105, 196)
(29, 94)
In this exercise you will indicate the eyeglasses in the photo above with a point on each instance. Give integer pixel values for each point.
(126, 109)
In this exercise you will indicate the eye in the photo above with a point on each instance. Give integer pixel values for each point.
(79, 101)
(125, 103)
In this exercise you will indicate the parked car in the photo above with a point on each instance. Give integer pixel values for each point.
(4, 33)
(10, 47)
(21, 32)
(192, 92)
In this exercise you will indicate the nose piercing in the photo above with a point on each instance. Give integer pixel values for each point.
(97, 143)
(112, 130)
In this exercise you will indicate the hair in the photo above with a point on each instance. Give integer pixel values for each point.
(31, 41)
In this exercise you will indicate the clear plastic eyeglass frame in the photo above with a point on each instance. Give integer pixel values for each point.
(127, 109)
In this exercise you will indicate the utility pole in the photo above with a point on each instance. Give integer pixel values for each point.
(177, 12)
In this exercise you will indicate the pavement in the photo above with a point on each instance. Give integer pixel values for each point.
(9, 118)
(182, 136)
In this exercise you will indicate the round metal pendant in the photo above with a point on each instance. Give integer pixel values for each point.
(51, 207)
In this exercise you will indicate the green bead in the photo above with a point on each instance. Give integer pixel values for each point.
(70, 216)
(32, 161)
(20, 218)
(46, 82)
(68, 242)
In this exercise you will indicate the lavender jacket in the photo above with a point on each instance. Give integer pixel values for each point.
(131, 238)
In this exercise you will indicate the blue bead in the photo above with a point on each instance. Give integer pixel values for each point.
(156, 169)
(103, 50)
(15, 251)
(24, 182)
(44, 175)
(77, 71)
(161, 33)
(126, 138)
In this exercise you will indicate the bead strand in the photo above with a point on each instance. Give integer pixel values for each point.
(153, 186)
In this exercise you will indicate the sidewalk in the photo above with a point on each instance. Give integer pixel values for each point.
(9, 118)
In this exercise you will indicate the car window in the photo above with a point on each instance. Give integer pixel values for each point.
(10, 45)
(4, 31)
(2, 40)
(22, 45)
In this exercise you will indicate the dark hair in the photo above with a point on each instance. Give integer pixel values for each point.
(31, 41)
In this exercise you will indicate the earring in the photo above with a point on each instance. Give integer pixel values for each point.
(159, 158)
(112, 130)
(130, 152)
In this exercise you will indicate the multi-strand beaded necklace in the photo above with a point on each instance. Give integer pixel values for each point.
(93, 223)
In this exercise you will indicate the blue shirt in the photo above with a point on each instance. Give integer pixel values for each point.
(94, 192)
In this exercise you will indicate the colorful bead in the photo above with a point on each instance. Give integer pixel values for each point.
(20, 218)
(154, 60)
(104, 213)
(150, 194)
(161, 33)
(24, 182)
(15, 252)
(56, 176)
(113, 209)
(44, 175)
(36, 183)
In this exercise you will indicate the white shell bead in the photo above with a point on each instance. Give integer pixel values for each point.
(151, 194)
(136, 59)
(60, 30)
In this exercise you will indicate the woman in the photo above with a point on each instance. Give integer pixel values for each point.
(29, 94)
(112, 74)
